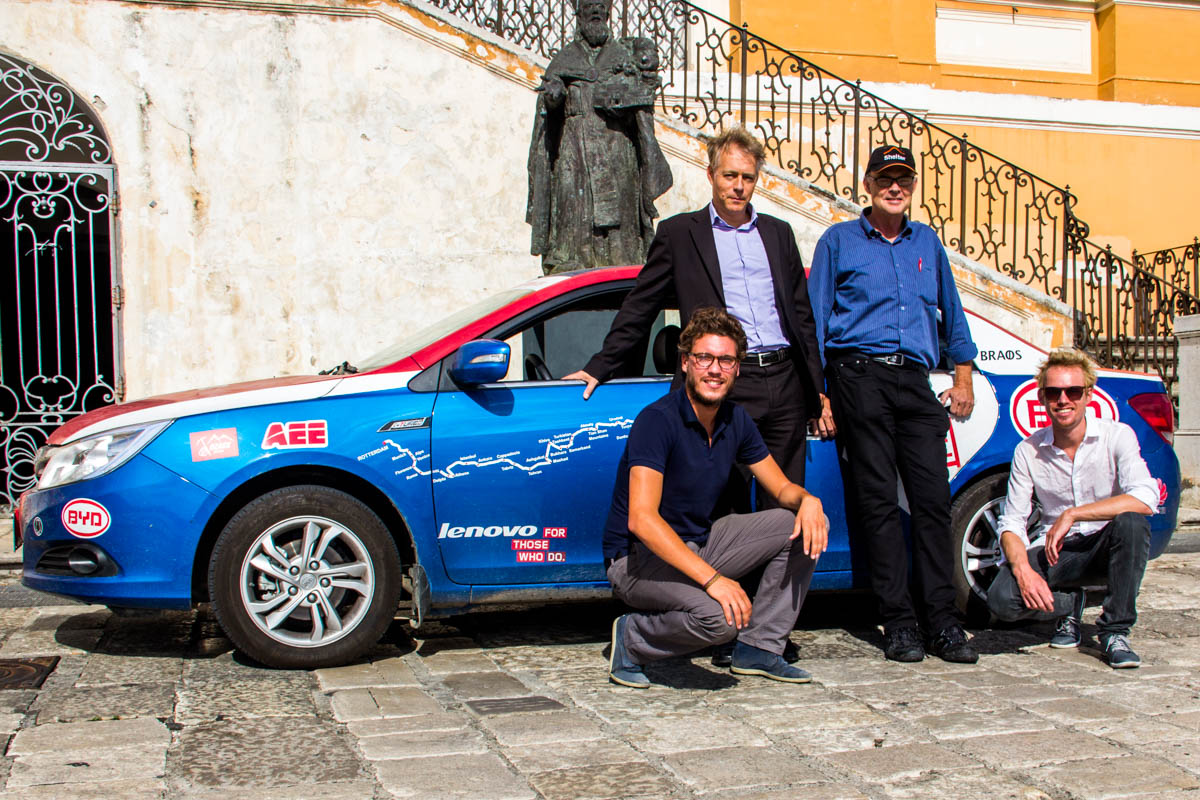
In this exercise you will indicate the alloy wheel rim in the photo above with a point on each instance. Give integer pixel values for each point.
(980, 555)
(307, 581)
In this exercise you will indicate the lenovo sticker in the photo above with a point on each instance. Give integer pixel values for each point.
(290, 435)
(86, 519)
(1028, 413)
(219, 443)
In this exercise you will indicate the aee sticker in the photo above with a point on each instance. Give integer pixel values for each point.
(85, 518)
(209, 445)
(1028, 414)
(290, 435)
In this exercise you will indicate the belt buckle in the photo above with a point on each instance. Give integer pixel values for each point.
(893, 359)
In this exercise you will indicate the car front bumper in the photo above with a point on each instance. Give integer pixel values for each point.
(145, 555)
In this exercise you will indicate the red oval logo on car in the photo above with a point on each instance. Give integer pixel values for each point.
(1028, 414)
(86, 519)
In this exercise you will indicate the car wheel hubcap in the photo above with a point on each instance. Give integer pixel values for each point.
(307, 581)
(980, 556)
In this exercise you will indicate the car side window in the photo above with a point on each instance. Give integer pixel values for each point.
(560, 342)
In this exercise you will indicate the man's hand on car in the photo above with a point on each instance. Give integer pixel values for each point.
(580, 375)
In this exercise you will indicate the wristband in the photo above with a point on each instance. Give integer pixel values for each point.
(711, 581)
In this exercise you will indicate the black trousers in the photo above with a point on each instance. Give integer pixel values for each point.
(889, 421)
(1117, 554)
(774, 399)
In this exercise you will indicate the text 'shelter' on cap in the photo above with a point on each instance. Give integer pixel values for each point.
(891, 155)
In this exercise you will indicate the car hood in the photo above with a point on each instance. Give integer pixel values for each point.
(195, 401)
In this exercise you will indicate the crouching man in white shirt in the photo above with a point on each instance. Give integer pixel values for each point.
(1095, 493)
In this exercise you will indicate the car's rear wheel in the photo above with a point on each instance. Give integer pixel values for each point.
(974, 517)
(304, 577)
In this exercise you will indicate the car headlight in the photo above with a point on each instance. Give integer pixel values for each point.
(93, 456)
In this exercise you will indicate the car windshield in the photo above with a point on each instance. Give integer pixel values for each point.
(426, 336)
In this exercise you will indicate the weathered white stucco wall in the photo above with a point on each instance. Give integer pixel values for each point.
(295, 189)
(299, 189)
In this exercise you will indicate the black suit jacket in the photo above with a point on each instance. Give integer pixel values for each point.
(682, 264)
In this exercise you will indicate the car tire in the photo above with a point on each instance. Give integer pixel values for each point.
(304, 577)
(973, 518)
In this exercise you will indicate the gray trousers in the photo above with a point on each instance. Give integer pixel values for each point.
(682, 618)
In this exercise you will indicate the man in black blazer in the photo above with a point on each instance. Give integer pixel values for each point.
(727, 255)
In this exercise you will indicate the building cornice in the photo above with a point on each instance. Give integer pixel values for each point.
(1148, 131)
(1193, 5)
(1084, 6)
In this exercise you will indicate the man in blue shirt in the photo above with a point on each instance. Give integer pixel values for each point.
(666, 556)
(883, 294)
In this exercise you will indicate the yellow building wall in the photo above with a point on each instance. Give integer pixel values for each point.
(1124, 183)
(1140, 53)
(1151, 54)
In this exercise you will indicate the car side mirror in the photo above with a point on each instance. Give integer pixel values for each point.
(480, 361)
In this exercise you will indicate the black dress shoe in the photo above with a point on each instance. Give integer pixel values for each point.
(951, 644)
(791, 653)
(903, 644)
(722, 655)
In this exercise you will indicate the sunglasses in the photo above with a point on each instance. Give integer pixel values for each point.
(1073, 392)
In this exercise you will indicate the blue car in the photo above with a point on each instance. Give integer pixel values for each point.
(452, 470)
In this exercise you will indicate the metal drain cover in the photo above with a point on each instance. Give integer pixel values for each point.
(25, 673)
(511, 705)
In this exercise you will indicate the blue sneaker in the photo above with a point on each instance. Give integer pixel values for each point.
(1066, 631)
(750, 660)
(621, 668)
(1117, 651)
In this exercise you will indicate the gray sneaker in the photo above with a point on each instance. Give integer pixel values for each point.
(1117, 651)
(1066, 632)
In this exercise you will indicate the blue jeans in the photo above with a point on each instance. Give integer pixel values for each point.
(1116, 553)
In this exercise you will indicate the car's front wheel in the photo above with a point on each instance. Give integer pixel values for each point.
(304, 577)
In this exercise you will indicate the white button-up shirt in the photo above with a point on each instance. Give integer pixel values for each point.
(1107, 463)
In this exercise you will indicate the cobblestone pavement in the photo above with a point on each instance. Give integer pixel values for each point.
(516, 705)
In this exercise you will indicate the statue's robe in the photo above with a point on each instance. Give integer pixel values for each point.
(595, 166)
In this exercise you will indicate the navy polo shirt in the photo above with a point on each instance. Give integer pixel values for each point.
(667, 438)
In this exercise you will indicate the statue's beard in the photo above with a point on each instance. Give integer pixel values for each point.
(594, 32)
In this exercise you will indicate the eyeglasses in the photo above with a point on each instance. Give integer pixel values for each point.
(1073, 392)
(886, 181)
(705, 360)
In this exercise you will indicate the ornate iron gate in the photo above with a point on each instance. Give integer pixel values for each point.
(58, 324)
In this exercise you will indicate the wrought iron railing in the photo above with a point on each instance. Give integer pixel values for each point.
(820, 127)
(1179, 266)
(1124, 313)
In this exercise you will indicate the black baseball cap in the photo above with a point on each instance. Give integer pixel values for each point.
(891, 155)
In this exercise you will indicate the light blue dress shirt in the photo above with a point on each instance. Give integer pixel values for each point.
(746, 281)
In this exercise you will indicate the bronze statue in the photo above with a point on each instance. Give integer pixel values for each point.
(595, 167)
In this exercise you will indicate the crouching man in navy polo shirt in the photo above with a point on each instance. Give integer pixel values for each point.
(668, 558)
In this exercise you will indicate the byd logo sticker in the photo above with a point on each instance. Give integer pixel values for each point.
(1028, 414)
(86, 519)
